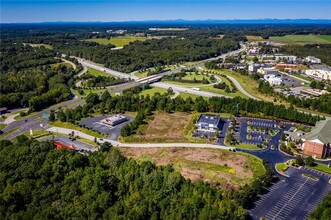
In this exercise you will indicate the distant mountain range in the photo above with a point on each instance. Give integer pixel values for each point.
(197, 22)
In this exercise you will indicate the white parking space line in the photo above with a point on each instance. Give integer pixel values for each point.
(289, 201)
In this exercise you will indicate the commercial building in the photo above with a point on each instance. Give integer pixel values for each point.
(285, 66)
(311, 59)
(114, 120)
(319, 74)
(273, 80)
(254, 67)
(317, 142)
(269, 71)
(208, 125)
(314, 92)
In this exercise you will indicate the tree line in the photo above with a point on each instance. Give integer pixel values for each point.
(31, 77)
(150, 53)
(38, 181)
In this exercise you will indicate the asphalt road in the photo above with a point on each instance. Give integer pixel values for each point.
(241, 89)
(186, 89)
(104, 69)
(31, 122)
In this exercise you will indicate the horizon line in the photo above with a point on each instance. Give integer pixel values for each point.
(179, 19)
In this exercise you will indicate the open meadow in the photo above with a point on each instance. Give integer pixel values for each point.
(303, 39)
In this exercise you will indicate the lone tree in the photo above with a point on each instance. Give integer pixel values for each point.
(310, 161)
(299, 160)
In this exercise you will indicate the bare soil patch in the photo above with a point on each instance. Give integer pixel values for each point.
(220, 168)
(164, 127)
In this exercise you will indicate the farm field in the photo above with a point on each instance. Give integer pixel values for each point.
(303, 39)
(251, 38)
(119, 41)
(220, 168)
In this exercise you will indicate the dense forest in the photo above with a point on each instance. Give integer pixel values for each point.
(150, 53)
(321, 104)
(38, 182)
(195, 29)
(31, 80)
(321, 51)
(323, 210)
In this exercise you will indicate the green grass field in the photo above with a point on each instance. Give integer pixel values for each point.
(321, 167)
(185, 95)
(122, 41)
(95, 72)
(152, 91)
(75, 127)
(281, 167)
(55, 65)
(244, 146)
(251, 38)
(119, 41)
(303, 39)
(47, 46)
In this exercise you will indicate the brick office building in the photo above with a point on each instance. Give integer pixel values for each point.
(317, 142)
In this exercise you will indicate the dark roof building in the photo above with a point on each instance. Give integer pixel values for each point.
(208, 122)
(317, 142)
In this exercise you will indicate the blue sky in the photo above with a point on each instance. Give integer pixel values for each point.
(129, 10)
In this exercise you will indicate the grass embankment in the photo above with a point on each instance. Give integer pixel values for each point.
(220, 168)
(87, 91)
(40, 135)
(3, 126)
(9, 132)
(281, 167)
(75, 127)
(95, 72)
(185, 95)
(152, 91)
(243, 146)
(56, 65)
(321, 167)
(310, 176)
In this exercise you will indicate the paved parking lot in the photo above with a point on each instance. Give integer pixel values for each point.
(259, 137)
(294, 197)
(113, 132)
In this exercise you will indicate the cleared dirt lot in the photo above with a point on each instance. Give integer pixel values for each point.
(164, 127)
(220, 168)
